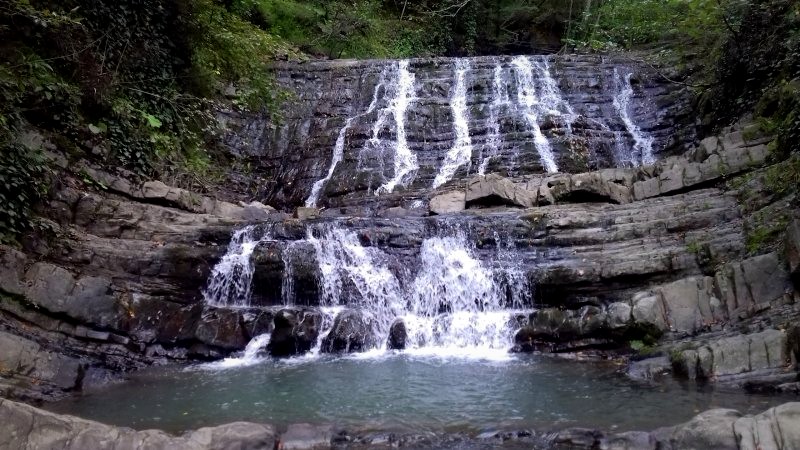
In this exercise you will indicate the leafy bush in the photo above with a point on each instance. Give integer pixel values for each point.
(631, 23)
(23, 181)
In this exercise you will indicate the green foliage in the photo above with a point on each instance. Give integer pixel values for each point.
(765, 233)
(759, 69)
(23, 181)
(632, 23)
(226, 48)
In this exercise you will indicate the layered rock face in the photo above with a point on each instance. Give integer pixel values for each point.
(560, 204)
(366, 126)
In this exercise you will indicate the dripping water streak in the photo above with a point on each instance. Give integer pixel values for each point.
(338, 149)
(643, 142)
(531, 109)
(551, 97)
(499, 100)
(405, 161)
(461, 151)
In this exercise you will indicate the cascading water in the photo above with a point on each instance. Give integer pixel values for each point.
(461, 151)
(642, 153)
(500, 100)
(405, 161)
(230, 280)
(531, 108)
(550, 95)
(454, 303)
(338, 149)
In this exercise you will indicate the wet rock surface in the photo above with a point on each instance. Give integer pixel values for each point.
(351, 332)
(296, 331)
(299, 151)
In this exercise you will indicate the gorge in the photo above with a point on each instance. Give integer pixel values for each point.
(462, 250)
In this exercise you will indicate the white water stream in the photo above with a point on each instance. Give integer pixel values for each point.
(642, 153)
(230, 280)
(454, 304)
(338, 148)
(461, 152)
(532, 109)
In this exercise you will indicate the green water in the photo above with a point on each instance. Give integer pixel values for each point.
(404, 393)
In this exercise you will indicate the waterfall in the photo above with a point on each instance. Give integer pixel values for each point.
(643, 143)
(461, 151)
(531, 109)
(338, 148)
(405, 161)
(230, 280)
(453, 304)
(500, 99)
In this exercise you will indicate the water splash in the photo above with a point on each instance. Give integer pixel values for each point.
(231, 278)
(500, 100)
(642, 153)
(405, 161)
(531, 108)
(338, 148)
(254, 353)
(461, 151)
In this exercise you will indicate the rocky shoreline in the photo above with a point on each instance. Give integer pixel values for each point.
(26, 427)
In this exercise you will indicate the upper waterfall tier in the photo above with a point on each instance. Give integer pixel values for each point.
(391, 128)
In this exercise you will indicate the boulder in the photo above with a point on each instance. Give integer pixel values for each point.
(223, 328)
(495, 190)
(709, 430)
(449, 202)
(649, 369)
(687, 303)
(351, 332)
(524, 340)
(618, 315)
(751, 285)
(648, 310)
(398, 335)
(734, 357)
(25, 358)
(305, 436)
(256, 211)
(592, 186)
(306, 213)
(296, 331)
(774, 429)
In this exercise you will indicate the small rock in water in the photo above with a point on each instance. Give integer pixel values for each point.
(350, 333)
(398, 335)
(306, 213)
